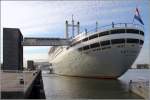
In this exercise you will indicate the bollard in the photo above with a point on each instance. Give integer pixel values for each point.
(33, 74)
(21, 81)
(130, 86)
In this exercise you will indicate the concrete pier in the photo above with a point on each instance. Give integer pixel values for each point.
(140, 87)
(21, 85)
(138, 81)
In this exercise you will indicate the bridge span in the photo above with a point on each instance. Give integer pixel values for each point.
(32, 41)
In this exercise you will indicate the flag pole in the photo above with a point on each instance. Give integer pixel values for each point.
(135, 11)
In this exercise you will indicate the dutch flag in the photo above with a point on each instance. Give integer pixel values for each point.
(138, 17)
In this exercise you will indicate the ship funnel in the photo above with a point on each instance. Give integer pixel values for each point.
(72, 26)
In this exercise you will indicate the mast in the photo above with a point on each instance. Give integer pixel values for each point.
(66, 33)
(96, 26)
(72, 26)
(78, 27)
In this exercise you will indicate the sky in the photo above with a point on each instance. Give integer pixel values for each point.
(47, 19)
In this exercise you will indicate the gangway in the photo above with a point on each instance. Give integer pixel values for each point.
(36, 41)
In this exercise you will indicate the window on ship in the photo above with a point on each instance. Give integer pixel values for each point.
(117, 31)
(132, 40)
(86, 47)
(93, 36)
(141, 32)
(117, 41)
(134, 31)
(85, 39)
(103, 33)
(104, 43)
(94, 45)
(141, 41)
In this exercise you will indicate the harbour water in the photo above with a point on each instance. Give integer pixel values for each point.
(74, 87)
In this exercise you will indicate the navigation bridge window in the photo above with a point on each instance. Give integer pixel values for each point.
(141, 32)
(117, 31)
(117, 41)
(93, 36)
(141, 42)
(104, 43)
(134, 31)
(132, 40)
(103, 33)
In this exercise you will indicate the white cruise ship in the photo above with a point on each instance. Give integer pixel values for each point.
(106, 53)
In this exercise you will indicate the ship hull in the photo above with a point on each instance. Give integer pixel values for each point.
(96, 63)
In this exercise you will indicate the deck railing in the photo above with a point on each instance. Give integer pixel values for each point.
(117, 25)
(109, 27)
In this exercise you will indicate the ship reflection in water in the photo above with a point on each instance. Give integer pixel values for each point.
(74, 87)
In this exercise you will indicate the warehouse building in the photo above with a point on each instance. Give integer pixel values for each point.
(12, 49)
(30, 65)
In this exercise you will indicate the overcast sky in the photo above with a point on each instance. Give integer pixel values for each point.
(47, 19)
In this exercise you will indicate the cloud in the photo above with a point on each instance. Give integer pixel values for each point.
(44, 16)
(36, 56)
(35, 53)
(37, 49)
(47, 18)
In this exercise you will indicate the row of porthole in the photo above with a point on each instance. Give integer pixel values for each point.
(126, 51)
(97, 45)
(122, 51)
(108, 47)
(121, 46)
(98, 49)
